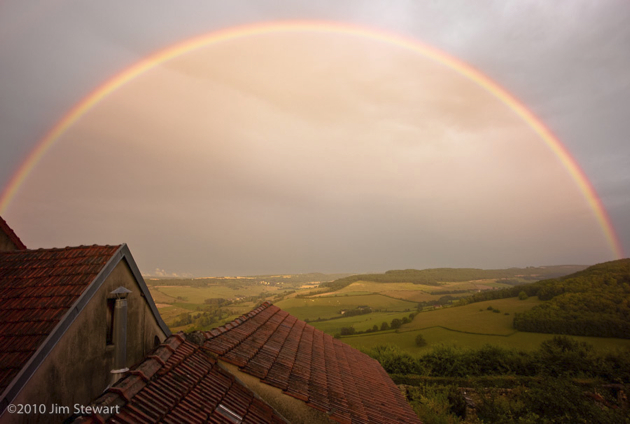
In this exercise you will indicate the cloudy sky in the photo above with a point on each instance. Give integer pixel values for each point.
(311, 150)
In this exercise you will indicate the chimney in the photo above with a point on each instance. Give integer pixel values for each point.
(119, 336)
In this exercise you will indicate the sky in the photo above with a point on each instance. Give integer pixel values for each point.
(318, 151)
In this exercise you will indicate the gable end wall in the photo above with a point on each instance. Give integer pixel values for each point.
(77, 369)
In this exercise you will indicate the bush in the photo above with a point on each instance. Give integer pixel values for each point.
(420, 341)
(394, 360)
(439, 405)
(396, 323)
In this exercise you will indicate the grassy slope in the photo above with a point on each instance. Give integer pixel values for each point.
(469, 327)
(327, 307)
(359, 322)
(410, 291)
(475, 318)
(199, 294)
(435, 335)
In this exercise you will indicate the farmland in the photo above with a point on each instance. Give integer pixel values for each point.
(197, 295)
(472, 326)
(476, 317)
(187, 304)
(210, 302)
(359, 322)
(329, 306)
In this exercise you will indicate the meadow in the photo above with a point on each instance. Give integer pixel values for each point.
(434, 336)
(329, 306)
(359, 322)
(472, 326)
(413, 292)
(475, 317)
(197, 295)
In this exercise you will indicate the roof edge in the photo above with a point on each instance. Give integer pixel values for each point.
(34, 362)
(145, 289)
(11, 234)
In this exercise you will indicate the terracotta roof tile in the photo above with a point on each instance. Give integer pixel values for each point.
(37, 287)
(4, 227)
(310, 365)
(188, 387)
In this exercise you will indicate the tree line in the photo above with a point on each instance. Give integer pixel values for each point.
(395, 324)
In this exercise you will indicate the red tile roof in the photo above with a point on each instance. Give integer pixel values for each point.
(310, 365)
(37, 287)
(4, 227)
(180, 383)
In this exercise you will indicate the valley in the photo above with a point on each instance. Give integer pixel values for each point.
(450, 337)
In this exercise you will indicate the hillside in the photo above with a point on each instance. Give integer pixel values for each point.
(592, 302)
(438, 276)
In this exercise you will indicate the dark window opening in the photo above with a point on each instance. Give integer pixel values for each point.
(111, 304)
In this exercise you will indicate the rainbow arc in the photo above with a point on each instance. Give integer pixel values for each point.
(552, 142)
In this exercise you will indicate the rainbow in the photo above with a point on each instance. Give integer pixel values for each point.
(413, 45)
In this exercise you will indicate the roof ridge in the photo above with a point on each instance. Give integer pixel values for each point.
(81, 246)
(11, 234)
(236, 322)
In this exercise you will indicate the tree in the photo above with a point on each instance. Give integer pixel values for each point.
(375, 328)
(396, 323)
(522, 295)
(420, 341)
(347, 331)
(384, 326)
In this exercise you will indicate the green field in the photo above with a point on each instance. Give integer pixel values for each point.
(412, 292)
(368, 287)
(519, 340)
(472, 326)
(199, 294)
(160, 297)
(329, 306)
(169, 313)
(475, 317)
(359, 322)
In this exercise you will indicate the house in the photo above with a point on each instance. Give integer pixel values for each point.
(280, 368)
(71, 321)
